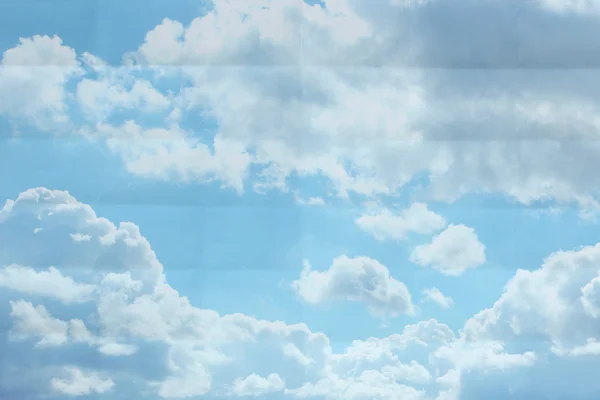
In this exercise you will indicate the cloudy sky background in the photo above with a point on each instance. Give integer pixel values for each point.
(287, 199)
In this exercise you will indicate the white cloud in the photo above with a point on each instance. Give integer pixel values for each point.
(203, 353)
(293, 352)
(310, 201)
(36, 322)
(359, 279)
(546, 309)
(452, 252)
(435, 295)
(109, 249)
(78, 237)
(171, 153)
(80, 383)
(416, 113)
(278, 114)
(204, 348)
(571, 6)
(189, 376)
(590, 348)
(484, 355)
(387, 354)
(464, 356)
(412, 372)
(255, 385)
(366, 130)
(99, 98)
(30, 321)
(529, 134)
(242, 89)
(130, 309)
(368, 385)
(117, 349)
(35, 73)
(383, 224)
(590, 297)
(547, 301)
(51, 283)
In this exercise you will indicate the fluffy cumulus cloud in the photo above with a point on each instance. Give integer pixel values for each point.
(36, 322)
(545, 314)
(35, 72)
(133, 315)
(361, 279)
(170, 153)
(383, 224)
(50, 283)
(255, 385)
(548, 302)
(290, 90)
(53, 223)
(107, 91)
(370, 97)
(134, 334)
(452, 252)
(336, 114)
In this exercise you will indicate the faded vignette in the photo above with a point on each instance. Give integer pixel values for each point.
(299, 199)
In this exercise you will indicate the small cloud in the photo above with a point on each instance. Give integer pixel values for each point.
(383, 224)
(451, 252)
(79, 237)
(360, 279)
(80, 383)
(436, 296)
(310, 201)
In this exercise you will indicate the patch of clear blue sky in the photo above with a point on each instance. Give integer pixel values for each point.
(237, 253)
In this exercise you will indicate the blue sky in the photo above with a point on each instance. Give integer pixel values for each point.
(276, 199)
